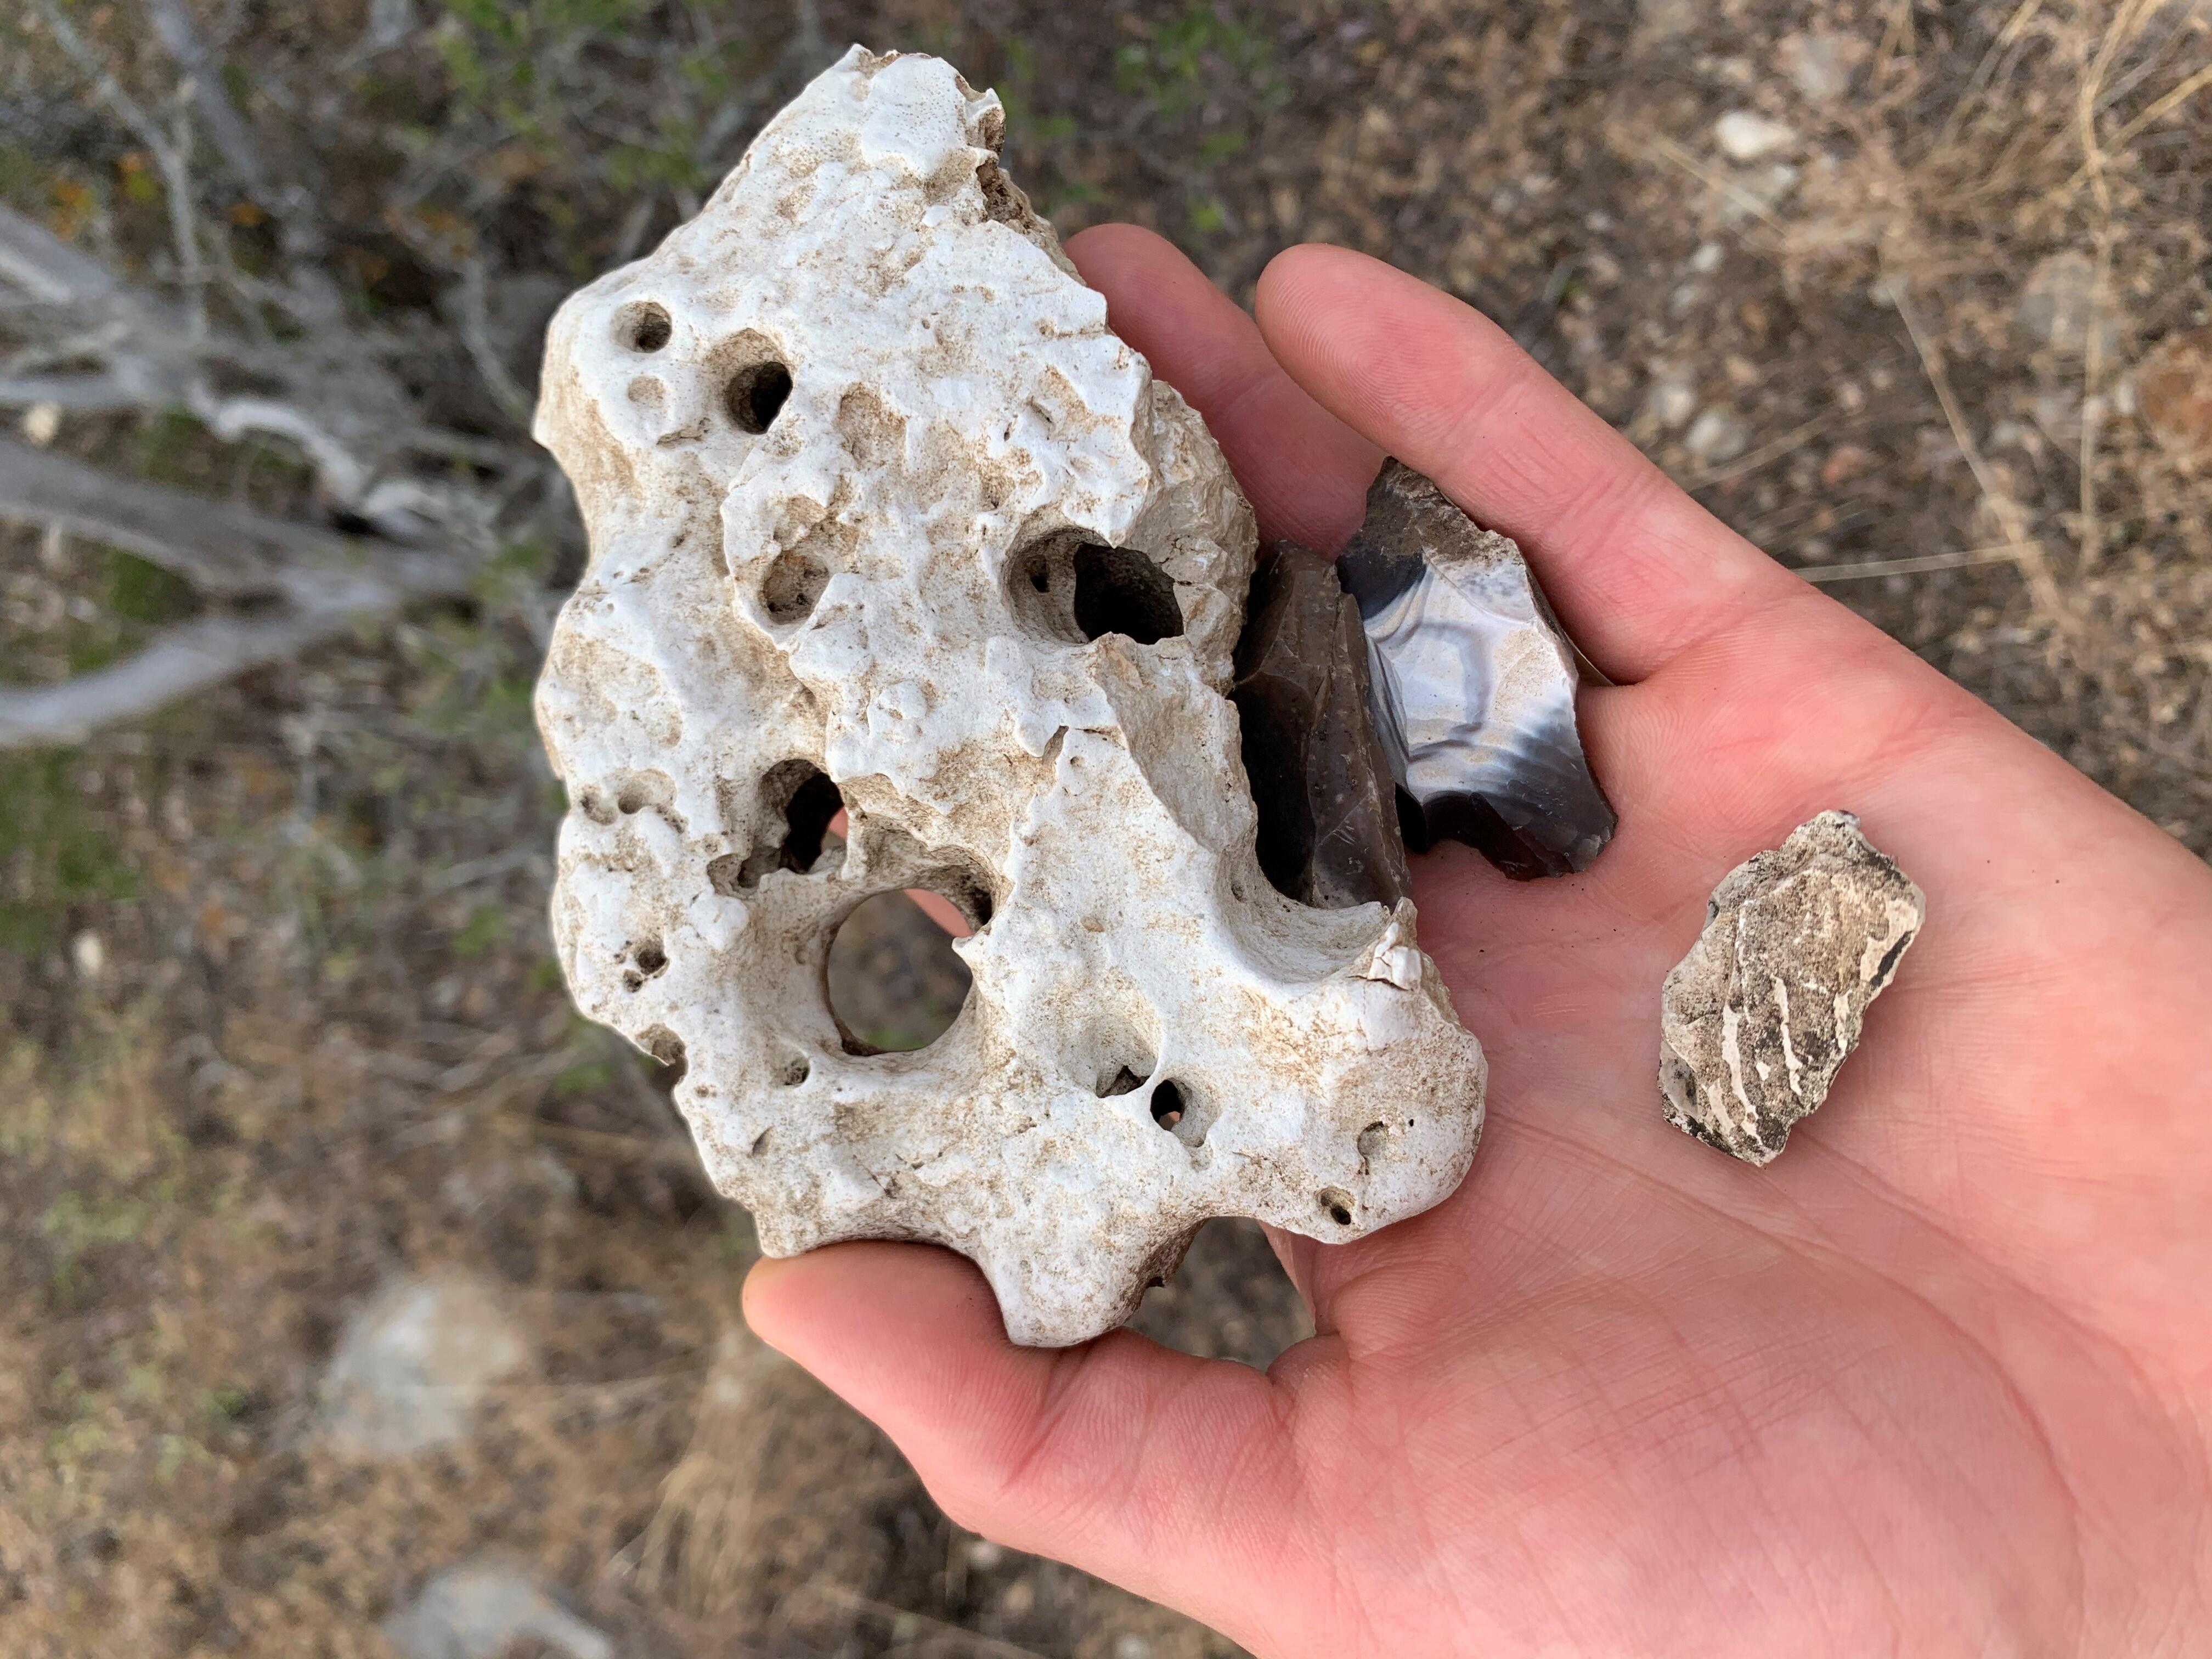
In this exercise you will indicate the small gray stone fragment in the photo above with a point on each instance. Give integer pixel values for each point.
(480, 1609)
(1755, 1022)
(414, 1366)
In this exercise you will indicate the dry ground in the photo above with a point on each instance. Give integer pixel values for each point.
(278, 1022)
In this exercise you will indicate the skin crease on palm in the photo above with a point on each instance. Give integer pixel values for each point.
(1938, 1382)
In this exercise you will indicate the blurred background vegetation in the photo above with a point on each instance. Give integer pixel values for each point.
(353, 1287)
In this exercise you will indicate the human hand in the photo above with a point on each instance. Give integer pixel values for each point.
(1937, 1382)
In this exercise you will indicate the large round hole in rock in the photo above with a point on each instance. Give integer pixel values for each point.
(895, 982)
(1119, 591)
(756, 395)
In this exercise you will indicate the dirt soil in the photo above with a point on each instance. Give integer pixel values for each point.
(1917, 295)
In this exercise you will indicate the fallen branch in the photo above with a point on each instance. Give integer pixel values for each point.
(330, 584)
(229, 550)
(196, 655)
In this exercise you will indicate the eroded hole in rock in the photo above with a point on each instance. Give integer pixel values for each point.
(623, 794)
(1119, 591)
(1122, 1082)
(1167, 1107)
(792, 1070)
(1062, 587)
(1338, 1203)
(1002, 200)
(894, 983)
(965, 890)
(791, 827)
(665, 1046)
(647, 961)
(756, 395)
(643, 327)
(794, 581)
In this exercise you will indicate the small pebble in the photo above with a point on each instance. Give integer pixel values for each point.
(1745, 136)
(1715, 435)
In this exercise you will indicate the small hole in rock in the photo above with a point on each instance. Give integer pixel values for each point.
(1338, 1203)
(650, 958)
(1041, 579)
(793, 1070)
(895, 982)
(646, 327)
(1123, 1082)
(797, 802)
(1119, 591)
(1168, 1106)
(794, 581)
(665, 1046)
(756, 395)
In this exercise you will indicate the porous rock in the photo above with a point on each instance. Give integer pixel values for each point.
(882, 514)
(1758, 1018)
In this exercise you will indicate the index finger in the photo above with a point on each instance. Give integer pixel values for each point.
(1636, 569)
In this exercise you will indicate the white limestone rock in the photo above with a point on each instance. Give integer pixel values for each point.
(1756, 1021)
(877, 500)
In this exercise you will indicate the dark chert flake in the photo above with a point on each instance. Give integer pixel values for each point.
(1328, 823)
(1473, 685)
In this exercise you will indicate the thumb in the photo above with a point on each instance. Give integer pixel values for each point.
(1168, 1475)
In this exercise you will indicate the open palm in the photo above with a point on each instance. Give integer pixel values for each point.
(1939, 1380)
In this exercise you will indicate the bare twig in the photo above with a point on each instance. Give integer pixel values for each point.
(1658, 144)
(2093, 365)
(222, 549)
(2009, 551)
(2015, 26)
(1788, 443)
(2011, 517)
(166, 150)
(233, 141)
(329, 582)
(188, 658)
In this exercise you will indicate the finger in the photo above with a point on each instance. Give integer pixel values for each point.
(1305, 472)
(1165, 1474)
(1636, 569)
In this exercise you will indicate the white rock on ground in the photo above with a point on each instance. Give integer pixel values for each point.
(414, 1366)
(480, 1609)
(1745, 136)
(1715, 435)
(874, 492)
(1757, 1020)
